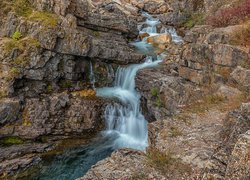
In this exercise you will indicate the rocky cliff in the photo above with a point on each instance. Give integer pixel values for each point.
(197, 100)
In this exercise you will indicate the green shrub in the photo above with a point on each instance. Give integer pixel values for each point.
(194, 19)
(155, 93)
(17, 36)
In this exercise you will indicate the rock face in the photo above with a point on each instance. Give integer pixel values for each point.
(62, 46)
(58, 114)
(206, 57)
(163, 93)
(20, 157)
(55, 51)
(123, 164)
(238, 165)
(9, 111)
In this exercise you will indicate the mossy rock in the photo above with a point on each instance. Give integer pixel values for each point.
(11, 140)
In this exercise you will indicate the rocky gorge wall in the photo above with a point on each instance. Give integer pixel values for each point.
(46, 87)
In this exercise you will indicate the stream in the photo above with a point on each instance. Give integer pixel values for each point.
(126, 126)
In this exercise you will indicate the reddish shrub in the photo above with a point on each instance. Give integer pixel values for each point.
(230, 15)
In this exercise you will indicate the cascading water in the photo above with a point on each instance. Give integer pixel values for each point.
(125, 124)
(125, 120)
(92, 75)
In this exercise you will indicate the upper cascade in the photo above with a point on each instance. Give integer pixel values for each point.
(125, 121)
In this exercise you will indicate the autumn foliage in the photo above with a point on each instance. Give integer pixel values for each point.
(230, 15)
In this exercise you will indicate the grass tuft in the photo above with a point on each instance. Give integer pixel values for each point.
(47, 19)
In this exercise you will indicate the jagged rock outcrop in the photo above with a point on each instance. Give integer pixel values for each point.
(164, 92)
(207, 57)
(57, 114)
(19, 157)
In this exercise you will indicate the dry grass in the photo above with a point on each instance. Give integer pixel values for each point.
(26, 118)
(242, 35)
(231, 15)
(204, 104)
(86, 93)
(166, 162)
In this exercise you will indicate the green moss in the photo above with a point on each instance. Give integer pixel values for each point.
(17, 35)
(49, 88)
(154, 92)
(11, 140)
(47, 19)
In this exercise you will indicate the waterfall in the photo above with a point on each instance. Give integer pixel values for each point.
(125, 119)
(92, 75)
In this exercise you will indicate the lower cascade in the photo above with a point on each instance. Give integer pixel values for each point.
(125, 120)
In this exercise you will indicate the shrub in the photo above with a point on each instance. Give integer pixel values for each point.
(231, 15)
(155, 93)
(194, 19)
(17, 36)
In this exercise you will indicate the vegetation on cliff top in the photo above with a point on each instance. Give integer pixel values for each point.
(24, 9)
(230, 15)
